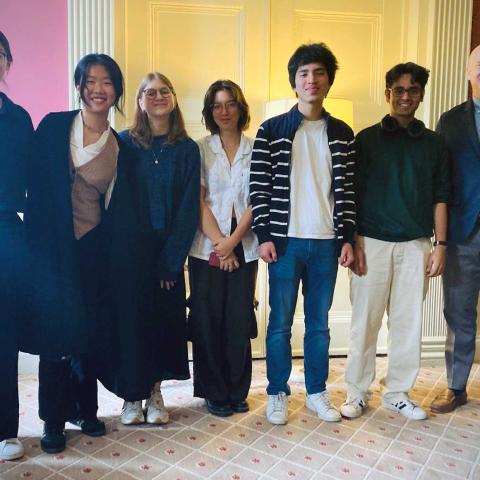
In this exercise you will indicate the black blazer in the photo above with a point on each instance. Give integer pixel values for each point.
(458, 128)
(56, 301)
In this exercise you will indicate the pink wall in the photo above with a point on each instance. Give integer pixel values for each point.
(38, 36)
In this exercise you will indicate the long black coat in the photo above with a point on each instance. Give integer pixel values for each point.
(57, 301)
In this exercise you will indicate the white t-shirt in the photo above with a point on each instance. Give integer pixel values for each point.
(82, 155)
(227, 189)
(311, 195)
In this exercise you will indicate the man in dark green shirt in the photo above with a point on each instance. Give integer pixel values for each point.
(402, 193)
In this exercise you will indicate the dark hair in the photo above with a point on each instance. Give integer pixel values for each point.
(83, 67)
(419, 74)
(312, 53)
(141, 131)
(237, 95)
(6, 47)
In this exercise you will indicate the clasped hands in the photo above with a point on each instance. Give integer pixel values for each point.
(224, 247)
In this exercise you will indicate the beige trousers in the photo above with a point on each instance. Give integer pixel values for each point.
(395, 282)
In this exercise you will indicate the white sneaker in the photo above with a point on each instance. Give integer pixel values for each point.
(156, 411)
(408, 408)
(320, 403)
(353, 407)
(132, 413)
(11, 449)
(277, 409)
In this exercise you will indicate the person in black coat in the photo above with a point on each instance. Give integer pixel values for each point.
(81, 228)
(16, 131)
(167, 177)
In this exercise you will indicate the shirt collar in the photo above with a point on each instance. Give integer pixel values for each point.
(216, 145)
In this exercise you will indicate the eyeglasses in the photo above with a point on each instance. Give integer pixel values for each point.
(218, 107)
(151, 93)
(412, 92)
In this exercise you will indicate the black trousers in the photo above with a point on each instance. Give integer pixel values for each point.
(67, 387)
(9, 392)
(12, 300)
(221, 323)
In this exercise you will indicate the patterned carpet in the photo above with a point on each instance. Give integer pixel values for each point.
(380, 445)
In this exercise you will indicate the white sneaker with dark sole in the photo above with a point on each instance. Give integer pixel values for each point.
(320, 404)
(408, 408)
(277, 409)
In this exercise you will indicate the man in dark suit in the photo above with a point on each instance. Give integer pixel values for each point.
(461, 281)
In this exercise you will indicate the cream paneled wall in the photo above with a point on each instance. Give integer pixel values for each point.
(250, 41)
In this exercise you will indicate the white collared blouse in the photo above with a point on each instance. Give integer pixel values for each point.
(227, 188)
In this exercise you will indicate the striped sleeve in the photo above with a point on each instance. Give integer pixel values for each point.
(261, 185)
(349, 212)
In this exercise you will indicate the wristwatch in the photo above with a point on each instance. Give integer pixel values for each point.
(443, 243)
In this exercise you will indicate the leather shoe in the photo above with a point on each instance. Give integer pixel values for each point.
(91, 427)
(240, 406)
(53, 438)
(448, 401)
(220, 409)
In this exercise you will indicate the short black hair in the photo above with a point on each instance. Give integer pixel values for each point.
(6, 47)
(236, 92)
(419, 74)
(312, 53)
(81, 73)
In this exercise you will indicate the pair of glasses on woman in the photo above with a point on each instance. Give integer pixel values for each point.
(228, 106)
(151, 93)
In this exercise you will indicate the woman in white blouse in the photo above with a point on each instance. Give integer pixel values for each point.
(223, 257)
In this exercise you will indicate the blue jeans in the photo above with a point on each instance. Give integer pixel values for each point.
(315, 263)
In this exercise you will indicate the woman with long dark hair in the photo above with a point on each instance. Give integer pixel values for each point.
(16, 133)
(223, 257)
(81, 226)
(168, 183)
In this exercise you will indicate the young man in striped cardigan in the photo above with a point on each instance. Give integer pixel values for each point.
(301, 189)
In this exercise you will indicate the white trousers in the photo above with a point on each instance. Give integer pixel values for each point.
(395, 282)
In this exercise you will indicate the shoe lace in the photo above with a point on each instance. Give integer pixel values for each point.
(324, 400)
(131, 407)
(278, 402)
(356, 401)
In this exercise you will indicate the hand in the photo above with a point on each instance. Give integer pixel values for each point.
(359, 265)
(268, 253)
(346, 255)
(224, 247)
(230, 263)
(168, 284)
(436, 261)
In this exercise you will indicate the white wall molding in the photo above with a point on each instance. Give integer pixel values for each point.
(91, 28)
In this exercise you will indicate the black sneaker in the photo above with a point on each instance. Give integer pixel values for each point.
(220, 409)
(53, 438)
(91, 427)
(240, 407)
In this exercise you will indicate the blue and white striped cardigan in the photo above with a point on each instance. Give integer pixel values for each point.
(270, 178)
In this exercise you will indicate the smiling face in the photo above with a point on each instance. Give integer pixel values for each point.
(99, 93)
(311, 84)
(156, 100)
(404, 106)
(225, 111)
